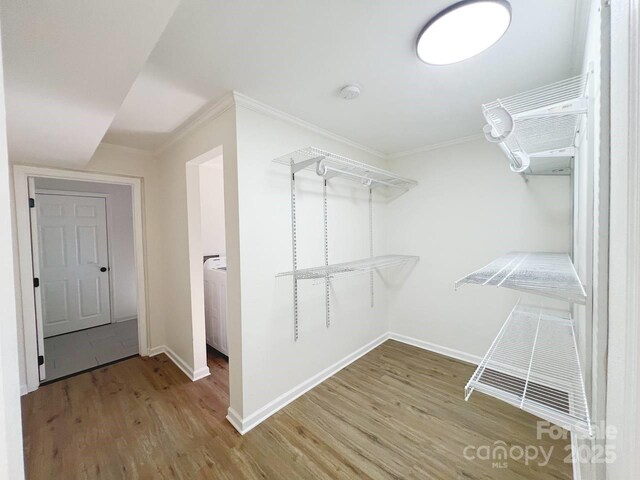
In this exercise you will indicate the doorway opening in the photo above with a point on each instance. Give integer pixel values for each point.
(207, 250)
(82, 240)
(82, 271)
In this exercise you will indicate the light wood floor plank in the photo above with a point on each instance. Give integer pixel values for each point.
(396, 413)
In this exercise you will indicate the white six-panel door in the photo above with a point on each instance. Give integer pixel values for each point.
(73, 262)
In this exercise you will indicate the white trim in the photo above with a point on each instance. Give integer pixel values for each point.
(23, 389)
(623, 373)
(257, 106)
(575, 457)
(238, 99)
(435, 146)
(21, 174)
(180, 363)
(432, 347)
(243, 425)
(235, 420)
(210, 113)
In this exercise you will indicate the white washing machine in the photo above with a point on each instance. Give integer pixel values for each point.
(215, 302)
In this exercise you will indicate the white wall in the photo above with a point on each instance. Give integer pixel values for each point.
(273, 363)
(121, 247)
(467, 210)
(117, 160)
(212, 207)
(11, 456)
(181, 262)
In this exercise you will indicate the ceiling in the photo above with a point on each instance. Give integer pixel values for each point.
(68, 65)
(295, 56)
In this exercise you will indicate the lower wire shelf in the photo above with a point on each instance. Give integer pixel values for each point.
(533, 364)
(350, 268)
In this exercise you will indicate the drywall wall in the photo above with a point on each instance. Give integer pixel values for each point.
(120, 232)
(183, 300)
(11, 457)
(117, 160)
(212, 207)
(273, 363)
(467, 210)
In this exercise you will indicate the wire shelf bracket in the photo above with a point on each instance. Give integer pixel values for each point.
(547, 274)
(534, 365)
(543, 122)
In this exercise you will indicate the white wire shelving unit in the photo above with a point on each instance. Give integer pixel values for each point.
(534, 365)
(539, 123)
(329, 166)
(547, 274)
(347, 269)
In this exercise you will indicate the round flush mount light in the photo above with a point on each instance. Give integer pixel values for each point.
(463, 30)
(350, 92)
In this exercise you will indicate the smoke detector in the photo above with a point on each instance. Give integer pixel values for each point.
(350, 92)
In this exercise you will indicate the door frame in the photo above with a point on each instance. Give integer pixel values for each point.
(21, 175)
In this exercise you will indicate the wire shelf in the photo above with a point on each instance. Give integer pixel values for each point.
(538, 123)
(330, 165)
(548, 274)
(533, 364)
(340, 270)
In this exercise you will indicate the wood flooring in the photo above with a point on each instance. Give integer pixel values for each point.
(396, 413)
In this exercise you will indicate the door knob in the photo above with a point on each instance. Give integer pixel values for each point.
(103, 269)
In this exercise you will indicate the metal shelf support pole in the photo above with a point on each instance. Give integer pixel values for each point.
(295, 257)
(327, 288)
(371, 239)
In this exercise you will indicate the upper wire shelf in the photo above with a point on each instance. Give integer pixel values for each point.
(533, 364)
(330, 165)
(548, 274)
(346, 269)
(538, 123)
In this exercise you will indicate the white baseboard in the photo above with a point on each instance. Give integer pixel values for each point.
(575, 446)
(243, 425)
(24, 389)
(432, 347)
(180, 363)
(235, 420)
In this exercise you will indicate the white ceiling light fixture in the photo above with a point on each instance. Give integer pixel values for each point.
(463, 30)
(350, 92)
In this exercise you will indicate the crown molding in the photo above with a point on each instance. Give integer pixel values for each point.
(249, 103)
(238, 99)
(213, 111)
(435, 146)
